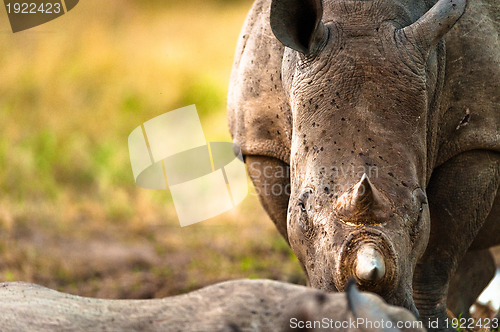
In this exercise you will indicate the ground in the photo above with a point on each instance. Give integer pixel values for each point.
(71, 216)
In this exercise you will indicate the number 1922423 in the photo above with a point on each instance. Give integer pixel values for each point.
(34, 8)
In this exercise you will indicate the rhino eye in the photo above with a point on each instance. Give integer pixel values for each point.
(302, 204)
(421, 197)
(305, 217)
(422, 206)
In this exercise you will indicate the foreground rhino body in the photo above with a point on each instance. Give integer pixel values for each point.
(235, 306)
(388, 114)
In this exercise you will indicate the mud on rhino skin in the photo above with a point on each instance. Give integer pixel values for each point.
(411, 88)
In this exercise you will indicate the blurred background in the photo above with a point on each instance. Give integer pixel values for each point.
(72, 90)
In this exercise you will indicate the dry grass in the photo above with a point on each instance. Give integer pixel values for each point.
(71, 217)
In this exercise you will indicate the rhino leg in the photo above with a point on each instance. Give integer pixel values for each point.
(486, 237)
(271, 178)
(461, 193)
(473, 274)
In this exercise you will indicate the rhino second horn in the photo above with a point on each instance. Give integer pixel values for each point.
(363, 203)
(370, 265)
(364, 195)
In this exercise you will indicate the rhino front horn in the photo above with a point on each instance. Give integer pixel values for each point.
(370, 265)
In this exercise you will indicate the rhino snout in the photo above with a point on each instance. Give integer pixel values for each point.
(369, 265)
(370, 258)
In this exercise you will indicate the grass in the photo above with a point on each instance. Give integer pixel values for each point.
(71, 217)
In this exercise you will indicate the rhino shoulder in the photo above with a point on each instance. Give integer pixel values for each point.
(259, 115)
(471, 94)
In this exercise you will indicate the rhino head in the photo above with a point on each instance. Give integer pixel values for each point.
(360, 77)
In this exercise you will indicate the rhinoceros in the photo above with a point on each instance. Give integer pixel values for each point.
(233, 306)
(371, 132)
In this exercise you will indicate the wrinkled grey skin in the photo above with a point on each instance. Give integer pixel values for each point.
(476, 270)
(388, 114)
(234, 306)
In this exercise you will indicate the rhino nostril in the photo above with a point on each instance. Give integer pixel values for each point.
(370, 265)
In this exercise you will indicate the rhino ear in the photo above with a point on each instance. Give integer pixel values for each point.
(297, 24)
(428, 30)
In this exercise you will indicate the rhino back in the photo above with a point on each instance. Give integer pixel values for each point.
(237, 305)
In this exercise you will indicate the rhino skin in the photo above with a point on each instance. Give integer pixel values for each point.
(476, 270)
(234, 306)
(371, 131)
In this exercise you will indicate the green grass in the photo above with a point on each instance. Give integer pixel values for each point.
(71, 216)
